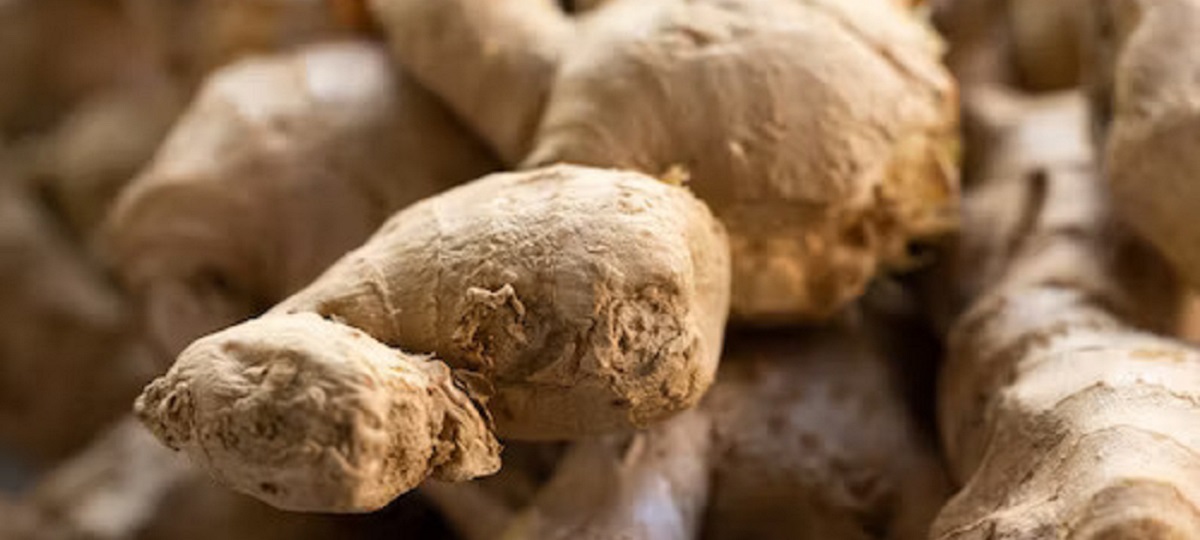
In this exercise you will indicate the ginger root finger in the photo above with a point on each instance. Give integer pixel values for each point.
(570, 301)
(640, 85)
(1059, 415)
(314, 415)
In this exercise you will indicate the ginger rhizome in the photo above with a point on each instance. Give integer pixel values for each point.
(803, 436)
(281, 165)
(1059, 415)
(555, 303)
(1146, 108)
(824, 167)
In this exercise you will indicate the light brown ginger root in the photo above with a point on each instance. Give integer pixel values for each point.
(569, 302)
(127, 486)
(1060, 417)
(1147, 106)
(69, 362)
(823, 166)
(803, 436)
(281, 165)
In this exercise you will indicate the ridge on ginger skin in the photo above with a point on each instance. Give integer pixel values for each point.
(714, 91)
(1060, 414)
(556, 303)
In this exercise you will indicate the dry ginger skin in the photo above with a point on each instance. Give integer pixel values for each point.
(823, 166)
(1060, 417)
(1147, 105)
(281, 165)
(557, 303)
(802, 436)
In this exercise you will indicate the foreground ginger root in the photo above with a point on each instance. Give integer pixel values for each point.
(1145, 102)
(803, 436)
(281, 165)
(1060, 417)
(569, 301)
(824, 167)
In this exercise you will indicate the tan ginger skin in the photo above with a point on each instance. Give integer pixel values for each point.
(824, 167)
(1059, 416)
(281, 165)
(803, 436)
(1144, 97)
(558, 303)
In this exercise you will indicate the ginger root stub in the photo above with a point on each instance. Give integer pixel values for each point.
(556, 303)
(822, 133)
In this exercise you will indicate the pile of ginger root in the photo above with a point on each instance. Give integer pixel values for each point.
(635, 269)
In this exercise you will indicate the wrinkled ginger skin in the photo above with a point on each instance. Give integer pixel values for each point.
(805, 435)
(1147, 105)
(270, 407)
(569, 301)
(1059, 416)
(281, 165)
(824, 167)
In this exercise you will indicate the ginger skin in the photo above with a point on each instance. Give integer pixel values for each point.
(642, 85)
(1059, 415)
(803, 436)
(569, 301)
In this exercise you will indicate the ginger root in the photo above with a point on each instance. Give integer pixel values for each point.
(803, 436)
(823, 166)
(1144, 102)
(281, 165)
(1059, 415)
(569, 301)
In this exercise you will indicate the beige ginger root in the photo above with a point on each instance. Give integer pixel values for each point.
(824, 167)
(1060, 417)
(568, 301)
(281, 165)
(1145, 101)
